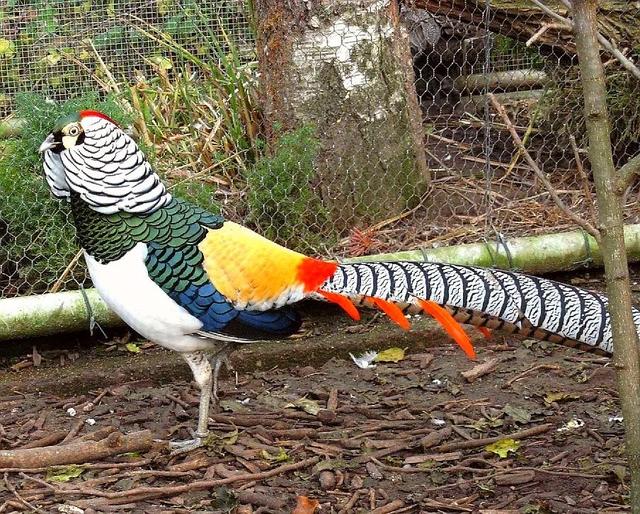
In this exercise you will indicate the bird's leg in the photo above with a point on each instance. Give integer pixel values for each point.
(201, 369)
(217, 360)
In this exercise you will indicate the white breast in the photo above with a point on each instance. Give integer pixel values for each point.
(126, 288)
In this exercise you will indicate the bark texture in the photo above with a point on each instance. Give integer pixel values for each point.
(344, 67)
(625, 337)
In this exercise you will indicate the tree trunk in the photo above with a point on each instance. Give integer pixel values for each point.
(344, 67)
(625, 337)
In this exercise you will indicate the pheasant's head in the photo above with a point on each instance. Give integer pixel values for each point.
(69, 131)
(87, 154)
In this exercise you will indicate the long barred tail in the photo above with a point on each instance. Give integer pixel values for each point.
(506, 300)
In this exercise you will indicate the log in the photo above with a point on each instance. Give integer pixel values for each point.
(501, 80)
(345, 68)
(76, 453)
(521, 19)
(548, 253)
(47, 314)
(55, 313)
(477, 103)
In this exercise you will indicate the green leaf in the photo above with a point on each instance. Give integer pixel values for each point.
(281, 456)
(503, 447)
(393, 354)
(7, 48)
(64, 473)
(132, 347)
(162, 62)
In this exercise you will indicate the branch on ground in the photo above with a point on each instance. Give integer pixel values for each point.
(76, 453)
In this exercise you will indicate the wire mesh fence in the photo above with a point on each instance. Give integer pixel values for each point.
(338, 129)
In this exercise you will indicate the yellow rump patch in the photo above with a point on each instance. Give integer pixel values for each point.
(248, 268)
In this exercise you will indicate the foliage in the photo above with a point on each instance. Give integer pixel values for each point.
(56, 46)
(563, 112)
(40, 238)
(282, 200)
(201, 115)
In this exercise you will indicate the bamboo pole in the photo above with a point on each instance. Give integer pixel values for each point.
(56, 313)
(534, 254)
(626, 355)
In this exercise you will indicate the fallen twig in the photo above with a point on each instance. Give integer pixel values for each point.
(148, 493)
(47, 440)
(481, 369)
(476, 443)
(389, 507)
(536, 169)
(76, 453)
(527, 371)
(13, 491)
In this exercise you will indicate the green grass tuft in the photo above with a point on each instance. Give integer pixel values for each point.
(40, 239)
(281, 198)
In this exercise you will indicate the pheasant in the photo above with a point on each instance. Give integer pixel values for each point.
(192, 282)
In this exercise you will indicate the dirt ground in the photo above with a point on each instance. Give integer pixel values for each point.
(304, 420)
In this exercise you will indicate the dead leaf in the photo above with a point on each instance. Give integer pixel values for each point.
(132, 347)
(518, 414)
(393, 354)
(306, 505)
(559, 397)
(281, 456)
(309, 406)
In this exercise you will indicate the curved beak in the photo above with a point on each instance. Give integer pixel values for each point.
(48, 144)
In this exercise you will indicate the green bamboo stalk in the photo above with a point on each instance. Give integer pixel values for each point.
(55, 313)
(547, 253)
(626, 357)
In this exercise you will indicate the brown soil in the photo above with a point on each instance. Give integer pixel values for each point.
(401, 437)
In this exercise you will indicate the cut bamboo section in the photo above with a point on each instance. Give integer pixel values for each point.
(56, 313)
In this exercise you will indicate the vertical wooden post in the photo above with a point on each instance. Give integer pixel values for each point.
(625, 337)
(344, 67)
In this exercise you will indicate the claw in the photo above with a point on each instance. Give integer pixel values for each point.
(180, 447)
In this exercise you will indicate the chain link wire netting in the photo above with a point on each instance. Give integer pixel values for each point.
(371, 133)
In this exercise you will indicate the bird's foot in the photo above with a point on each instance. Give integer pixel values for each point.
(179, 447)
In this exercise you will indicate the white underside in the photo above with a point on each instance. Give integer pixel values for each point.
(126, 288)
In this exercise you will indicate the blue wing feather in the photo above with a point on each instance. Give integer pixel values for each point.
(178, 271)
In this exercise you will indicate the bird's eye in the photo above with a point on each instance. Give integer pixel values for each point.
(74, 131)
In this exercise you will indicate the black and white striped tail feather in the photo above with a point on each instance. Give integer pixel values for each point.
(518, 303)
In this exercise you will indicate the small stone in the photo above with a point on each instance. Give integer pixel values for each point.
(71, 412)
(373, 471)
(327, 480)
